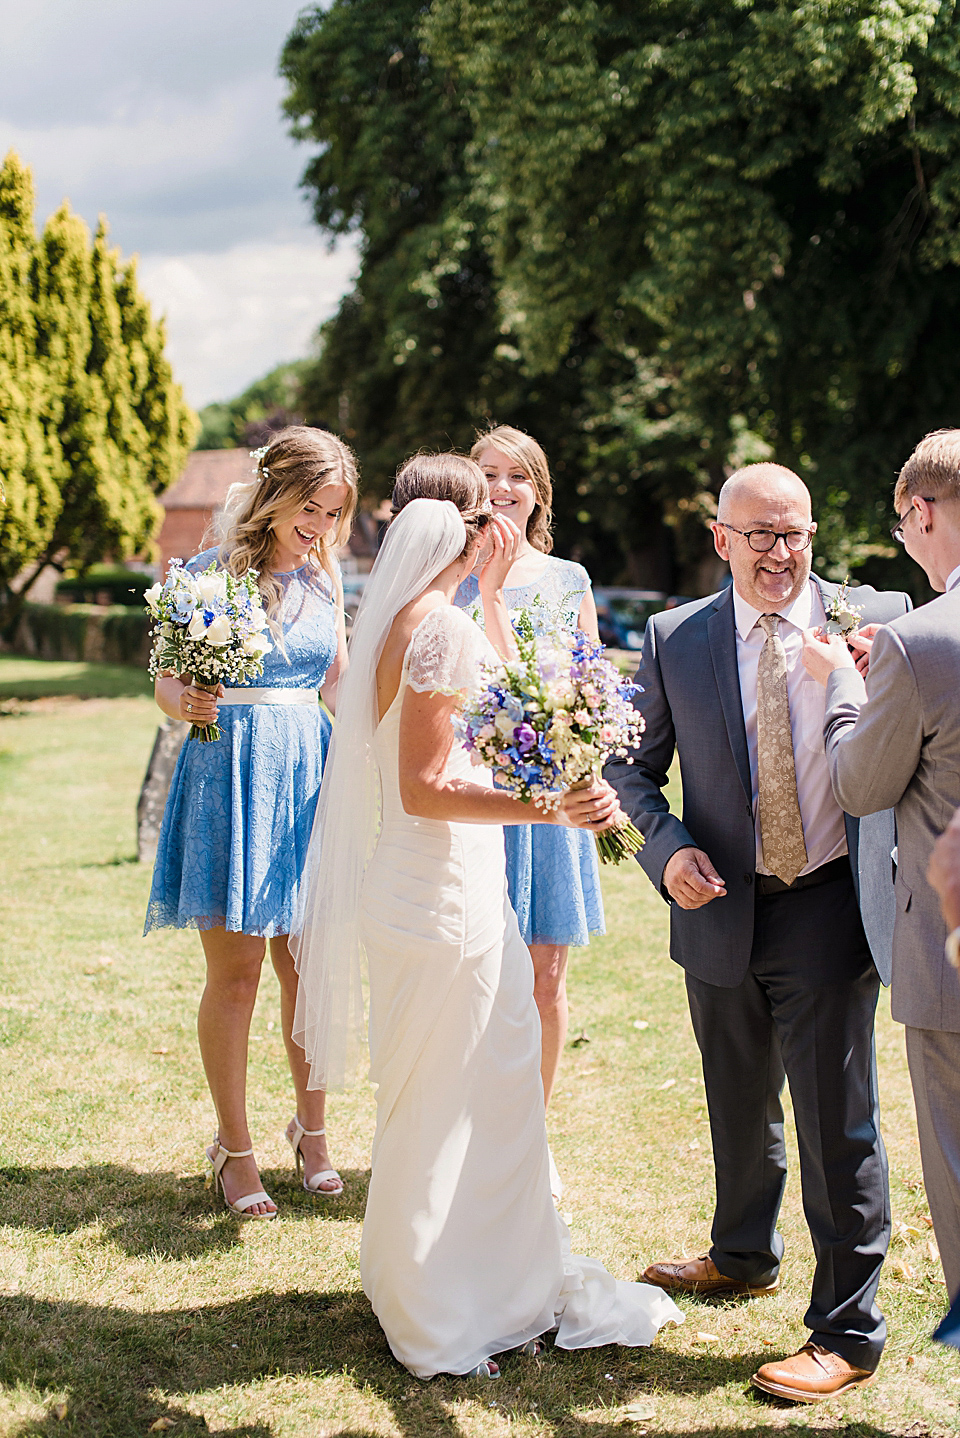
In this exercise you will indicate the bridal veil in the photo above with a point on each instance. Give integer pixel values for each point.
(426, 536)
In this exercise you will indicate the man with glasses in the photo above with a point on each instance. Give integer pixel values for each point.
(760, 875)
(896, 740)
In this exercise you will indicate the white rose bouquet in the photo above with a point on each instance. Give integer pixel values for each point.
(549, 719)
(209, 625)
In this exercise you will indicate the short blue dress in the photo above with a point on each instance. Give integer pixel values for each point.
(240, 810)
(552, 873)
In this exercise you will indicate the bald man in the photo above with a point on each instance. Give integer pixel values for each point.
(763, 876)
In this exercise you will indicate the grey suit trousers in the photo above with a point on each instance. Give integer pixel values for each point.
(934, 1059)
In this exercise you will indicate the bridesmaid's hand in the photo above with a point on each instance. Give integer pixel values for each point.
(501, 549)
(596, 808)
(198, 706)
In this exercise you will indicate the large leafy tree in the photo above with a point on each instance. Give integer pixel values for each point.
(735, 222)
(98, 425)
(419, 353)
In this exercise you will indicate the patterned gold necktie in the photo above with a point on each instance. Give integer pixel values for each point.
(781, 827)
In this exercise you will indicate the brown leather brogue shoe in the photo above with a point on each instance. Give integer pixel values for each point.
(701, 1275)
(810, 1375)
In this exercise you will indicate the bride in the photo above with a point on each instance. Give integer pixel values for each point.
(463, 1252)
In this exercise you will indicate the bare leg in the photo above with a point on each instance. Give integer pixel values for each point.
(223, 1027)
(310, 1102)
(550, 993)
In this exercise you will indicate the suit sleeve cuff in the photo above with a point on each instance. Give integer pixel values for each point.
(846, 686)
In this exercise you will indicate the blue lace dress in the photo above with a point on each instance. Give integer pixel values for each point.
(240, 809)
(552, 873)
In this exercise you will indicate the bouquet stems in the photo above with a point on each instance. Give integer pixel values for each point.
(615, 845)
(206, 733)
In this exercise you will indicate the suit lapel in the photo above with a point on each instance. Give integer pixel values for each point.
(828, 591)
(722, 638)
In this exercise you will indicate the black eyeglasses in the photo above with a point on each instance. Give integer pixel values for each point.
(897, 530)
(761, 541)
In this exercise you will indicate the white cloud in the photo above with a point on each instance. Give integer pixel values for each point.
(167, 119)
(232, 316)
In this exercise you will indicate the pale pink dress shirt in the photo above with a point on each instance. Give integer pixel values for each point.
(823, 828)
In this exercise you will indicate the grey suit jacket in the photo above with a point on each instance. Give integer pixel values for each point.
(896, 740)
(691, 704)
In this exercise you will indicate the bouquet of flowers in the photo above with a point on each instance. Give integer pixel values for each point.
(547, 721)
(209, 625)
(842, 616)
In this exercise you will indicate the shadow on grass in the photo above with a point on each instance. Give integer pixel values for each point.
(156, 1214)
(109, 1361)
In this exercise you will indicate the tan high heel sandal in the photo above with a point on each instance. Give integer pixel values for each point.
(325, 1175)
(216, 1161)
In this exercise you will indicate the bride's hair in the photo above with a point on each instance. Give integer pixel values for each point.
(445, 476)
(523, 451)
(291, 470)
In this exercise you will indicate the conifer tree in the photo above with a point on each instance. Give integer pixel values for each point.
(28, 462)
(97, 425)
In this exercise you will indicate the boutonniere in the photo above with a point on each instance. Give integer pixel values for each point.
(843, 617)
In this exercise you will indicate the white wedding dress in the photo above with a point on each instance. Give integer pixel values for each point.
(463, 1252)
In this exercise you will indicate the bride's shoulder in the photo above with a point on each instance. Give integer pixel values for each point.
(445, 649)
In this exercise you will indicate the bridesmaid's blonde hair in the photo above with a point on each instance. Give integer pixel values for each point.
(291, 470)
(523, 451)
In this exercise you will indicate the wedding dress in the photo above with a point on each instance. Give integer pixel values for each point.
(463, 1253)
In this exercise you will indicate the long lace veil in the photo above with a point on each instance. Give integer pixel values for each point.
(426, 536)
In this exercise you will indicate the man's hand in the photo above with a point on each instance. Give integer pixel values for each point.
(943, 871)
(823, 653)
(691, 880)
(861, 643)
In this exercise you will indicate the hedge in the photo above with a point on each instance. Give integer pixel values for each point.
(120, 585)
(118, 634)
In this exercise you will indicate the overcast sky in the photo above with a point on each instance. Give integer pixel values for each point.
(166, 118)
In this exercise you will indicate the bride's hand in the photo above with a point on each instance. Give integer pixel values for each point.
(596, 808)
(502, 548)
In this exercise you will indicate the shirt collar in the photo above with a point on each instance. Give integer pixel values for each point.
(953, 579)
(799, 613)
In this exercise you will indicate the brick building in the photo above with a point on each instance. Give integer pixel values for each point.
(190, 502)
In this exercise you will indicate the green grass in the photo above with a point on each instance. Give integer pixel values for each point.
(127, 1296)
(28, 679)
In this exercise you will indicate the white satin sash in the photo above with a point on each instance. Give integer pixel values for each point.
(270, 696)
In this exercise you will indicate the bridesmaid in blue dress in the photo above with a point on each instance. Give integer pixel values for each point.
(240, 809)
(552, 872)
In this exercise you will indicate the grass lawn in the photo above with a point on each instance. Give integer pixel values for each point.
(130, 1303)
(53, 678)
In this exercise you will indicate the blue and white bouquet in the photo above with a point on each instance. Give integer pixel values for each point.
(548, 720)
(209, 625)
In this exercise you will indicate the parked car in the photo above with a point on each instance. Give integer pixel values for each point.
(353, 584)
(622, 614)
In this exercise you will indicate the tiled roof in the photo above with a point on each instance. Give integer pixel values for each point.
(207, 476)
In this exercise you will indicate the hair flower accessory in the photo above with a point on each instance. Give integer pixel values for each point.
(843, 618)
(258, 455)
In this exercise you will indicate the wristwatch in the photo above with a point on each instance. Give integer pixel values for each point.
(952, 947)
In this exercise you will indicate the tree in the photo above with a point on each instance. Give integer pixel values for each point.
(735, 223)
(264, 407)
(28, 461)
(418, 354)
(764, 197)
(103, 426)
